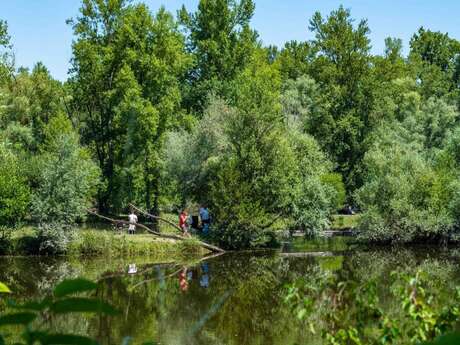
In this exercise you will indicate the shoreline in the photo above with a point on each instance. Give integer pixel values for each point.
(97, 243)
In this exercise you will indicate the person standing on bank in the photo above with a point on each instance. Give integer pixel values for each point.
(132, 222)
(205, 219)
(183, 222)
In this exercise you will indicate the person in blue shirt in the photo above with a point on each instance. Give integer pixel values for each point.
(205, 219)
(204, 280)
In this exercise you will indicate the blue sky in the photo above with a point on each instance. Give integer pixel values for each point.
(40, 33)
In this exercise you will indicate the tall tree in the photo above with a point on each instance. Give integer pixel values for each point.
(6, 55)
(29, 101)
(127, 68)
(435, 55)
(342, 68)
(222, 42)
(294, 59)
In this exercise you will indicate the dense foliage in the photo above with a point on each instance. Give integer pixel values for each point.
(166, 112)
(66, 298)
(346, 312)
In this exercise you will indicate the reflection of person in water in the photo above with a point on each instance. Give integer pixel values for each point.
(204, 280)
(132, 268)
(183, 283)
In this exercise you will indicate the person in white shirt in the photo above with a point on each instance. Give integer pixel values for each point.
(132, 223)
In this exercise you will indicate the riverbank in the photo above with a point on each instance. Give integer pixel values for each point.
(344, 222)
(95, 242)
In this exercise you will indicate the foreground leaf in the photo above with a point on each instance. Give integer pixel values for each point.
(82, 305)
(71, 286)
(35, 306)
(4, 288)
(448, 339)
(17, 319)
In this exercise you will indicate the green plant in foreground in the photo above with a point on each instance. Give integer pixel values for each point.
(345, 312)
(33, 315)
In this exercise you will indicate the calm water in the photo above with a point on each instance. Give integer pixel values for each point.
(230, 299)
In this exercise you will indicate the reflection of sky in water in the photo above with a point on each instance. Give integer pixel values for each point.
(232, 299)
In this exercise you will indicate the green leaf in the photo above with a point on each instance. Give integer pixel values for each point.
(4, 288)
(17, 319)
(67, 339)
(2, 341)
(82, 305)
(448, 339)
(71, 286)
(32, 337)
(301, 313)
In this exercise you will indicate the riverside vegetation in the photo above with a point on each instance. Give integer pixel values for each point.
(352, 297)
(167, 111)
(164, 111)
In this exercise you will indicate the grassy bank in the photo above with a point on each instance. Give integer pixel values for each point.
(92, 242)
(344, 222)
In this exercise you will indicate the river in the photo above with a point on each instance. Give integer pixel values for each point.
(236, 298)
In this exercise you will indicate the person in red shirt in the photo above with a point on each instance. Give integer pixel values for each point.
(183, 222)
(183, 283)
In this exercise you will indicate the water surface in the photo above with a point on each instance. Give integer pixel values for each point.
(236, 298)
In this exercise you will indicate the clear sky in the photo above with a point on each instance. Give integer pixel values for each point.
(40, 34)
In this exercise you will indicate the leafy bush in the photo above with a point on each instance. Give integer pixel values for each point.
(312, 199)
(14, 191)
(67, 182)
(345, 312)
(54, 238)
(335, 181)
(252, 170)
(411, 175)
(400, 197)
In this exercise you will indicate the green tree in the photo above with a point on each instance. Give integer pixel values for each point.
(342, 67)
(6, 55)
(31, 100)
(222, 42)
(67, 178)
(249, 166)
(409, 180)
(303, 103)
(14, 190)
(126, 73)
(313, 198)
(294, 59)
(434, 56)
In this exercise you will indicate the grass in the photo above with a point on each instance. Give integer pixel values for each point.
(344, 222)
(167, 228)
(91, 242)
(96, 242)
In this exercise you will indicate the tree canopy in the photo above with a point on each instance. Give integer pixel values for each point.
(171, 110)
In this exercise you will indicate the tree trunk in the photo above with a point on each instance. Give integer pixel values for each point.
(148, 191)
(156, 203)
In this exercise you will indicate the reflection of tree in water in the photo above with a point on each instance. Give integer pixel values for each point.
(247, 291)
(243, 302)
(340, 299)
(243, 299)
(42, 274)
